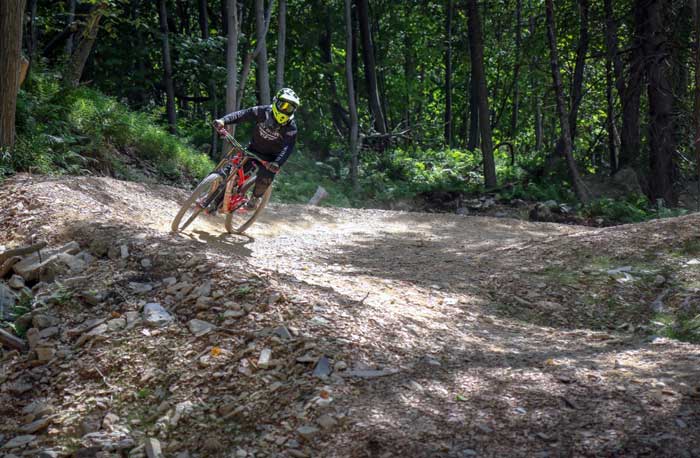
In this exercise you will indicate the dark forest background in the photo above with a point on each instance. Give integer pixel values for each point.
(591, 103)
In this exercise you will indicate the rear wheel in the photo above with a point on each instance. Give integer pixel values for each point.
(203, 195)
(242, 217)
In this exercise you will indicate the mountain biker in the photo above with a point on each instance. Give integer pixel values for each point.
(273, 137)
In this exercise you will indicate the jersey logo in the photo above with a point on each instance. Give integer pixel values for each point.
(269, 134)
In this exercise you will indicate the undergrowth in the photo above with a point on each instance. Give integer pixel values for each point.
(78, 131)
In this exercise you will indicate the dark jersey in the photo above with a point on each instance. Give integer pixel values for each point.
(269, 139)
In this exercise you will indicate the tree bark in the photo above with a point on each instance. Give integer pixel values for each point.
(659, 66)
(576, 182)
(448, 73)
(696, 89)
(261, 61)
(69, 21)
(516, 69)
(473, 141)
(248, 60)
(631, 92)
(354, 129)
(11, 16)
(581, 52)
(74, 69)
(610, 121)
(231, 21)
(476, 46)
(370, 67)
(204, 29)
(167, 67)
(281, 44)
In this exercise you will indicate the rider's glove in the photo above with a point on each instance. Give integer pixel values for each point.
(273, 167)
(219, 125)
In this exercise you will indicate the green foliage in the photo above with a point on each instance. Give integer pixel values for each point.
(83, 131)
(685, 327)
(632, 209)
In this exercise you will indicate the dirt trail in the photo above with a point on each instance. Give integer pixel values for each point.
(487, 333)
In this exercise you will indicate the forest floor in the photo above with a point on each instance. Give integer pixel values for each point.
(334, 332)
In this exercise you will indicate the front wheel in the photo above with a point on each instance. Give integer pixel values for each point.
(242, 218)
(203, 195)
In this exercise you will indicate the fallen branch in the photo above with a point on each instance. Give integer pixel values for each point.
(6, 266)
(21, 251)
(11, 341)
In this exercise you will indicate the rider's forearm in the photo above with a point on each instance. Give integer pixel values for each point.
(286, 152)
(249, 114)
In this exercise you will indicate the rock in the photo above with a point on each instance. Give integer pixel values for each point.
(116, 324)
(7, 301)
(75, 264)
(340, 365)
(203, 290)
(49, 454)
(19, 441)
(35, 426)
(41, 321)
(132, 318)
(323, 368)
(626, 178)
(307, 432)
(182, 409)
(37, 409)
(49, 332)
(92, 297)
(85, 327)
(154, 315)
(199, 327)
(283, 333)
(362, 373)
(109, 441)
(124, 251)
(153, 449)
(233, 313)
(45, 353)
(264, 360)
(45, 264)
(140, 288)
(146, 263)
(16, 282)
(326, 421)
(462, 211)
(170, 281)
(659, 280)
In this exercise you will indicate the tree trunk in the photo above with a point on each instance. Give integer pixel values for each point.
(248, 60)
(203, 19)
(473, 141)
(448, 73)
(11, 18)
(204, 29)
(516, 69)
(340, 120)
(659, 66)
(74, 68)
(231, 21)
(476, 46)
(578, 186)
(370, 67)
(696, 89)
(281, 44)
(69, 21)
(536, 103)
(610, 121)
(167, 67)
(261, 61)
(351, 95)
(577, 83)
(630, 136)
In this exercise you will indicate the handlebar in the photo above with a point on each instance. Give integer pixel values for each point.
(230, 138)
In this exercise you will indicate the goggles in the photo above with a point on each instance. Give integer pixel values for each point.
(285, 107)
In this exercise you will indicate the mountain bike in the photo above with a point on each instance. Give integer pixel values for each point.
(227, 190)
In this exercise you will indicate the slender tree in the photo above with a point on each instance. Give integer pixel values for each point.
(696, 89)
(76, 64)
(231, 21)
(281, 44)
(261, 60)
(476, 46)
(354, 129)
(516, 69)
(581, 52)
(370, 66)
(167, 67)
(576, 182)
(69, 22)
(448, 73)
(11, 15)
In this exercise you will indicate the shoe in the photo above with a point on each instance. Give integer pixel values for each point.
(252, 203)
